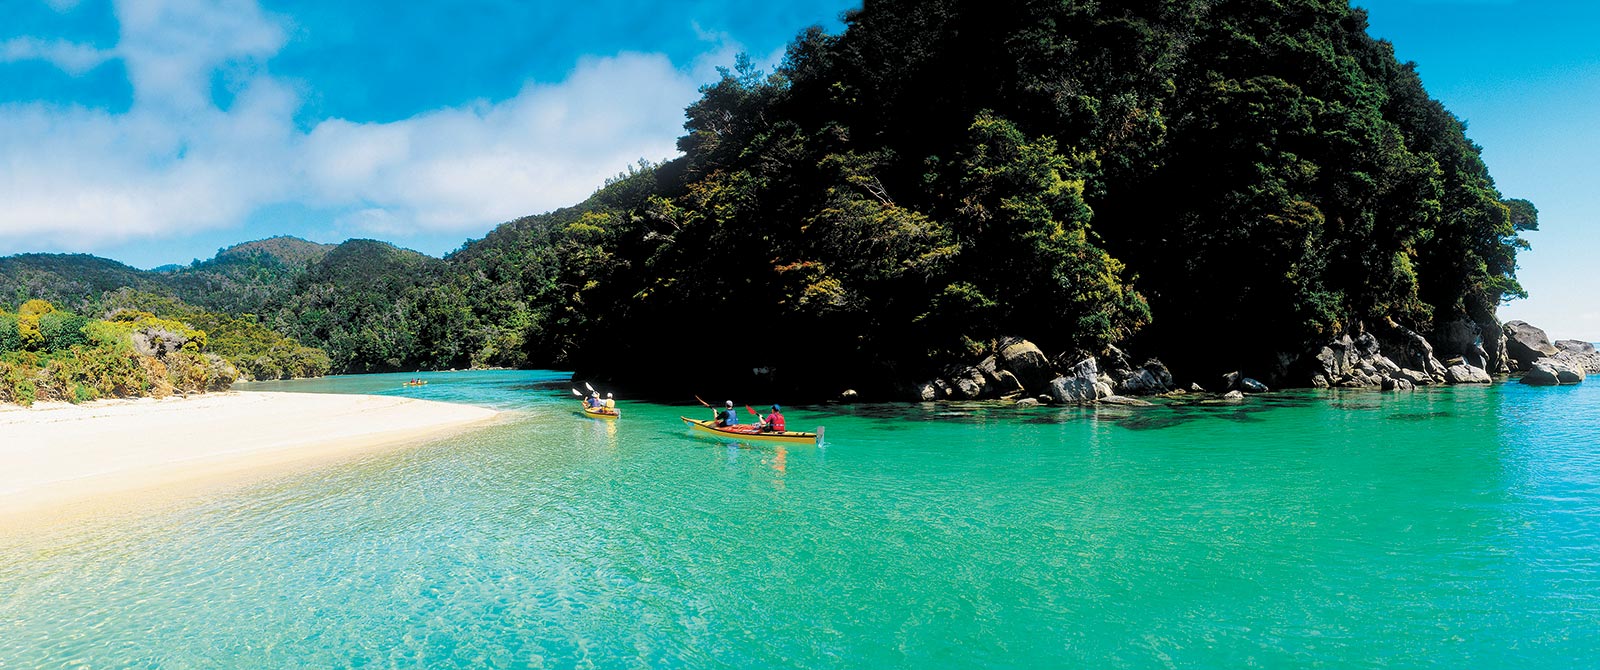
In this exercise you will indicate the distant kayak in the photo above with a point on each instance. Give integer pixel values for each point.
(414, 383)
(601, 412)
(751, 432)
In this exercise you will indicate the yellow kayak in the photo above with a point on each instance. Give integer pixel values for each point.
(601, 413)
(752, 432)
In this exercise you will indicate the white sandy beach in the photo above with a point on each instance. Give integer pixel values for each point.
(56, 459)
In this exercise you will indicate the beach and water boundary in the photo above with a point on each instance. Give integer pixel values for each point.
(1450, 526)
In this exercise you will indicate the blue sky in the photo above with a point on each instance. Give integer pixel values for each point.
(1525, 76)
(157, 131)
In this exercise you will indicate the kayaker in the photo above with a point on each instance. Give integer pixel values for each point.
(727, 417)
(774, 421)
(611, 403)
(593, 401)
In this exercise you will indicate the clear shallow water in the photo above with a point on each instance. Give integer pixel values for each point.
(1451, 527)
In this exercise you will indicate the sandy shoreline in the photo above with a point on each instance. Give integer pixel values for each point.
(57, 461)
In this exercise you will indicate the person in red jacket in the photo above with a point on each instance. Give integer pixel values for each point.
(773, 422)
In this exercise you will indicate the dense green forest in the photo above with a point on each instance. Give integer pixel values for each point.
(1224, 183)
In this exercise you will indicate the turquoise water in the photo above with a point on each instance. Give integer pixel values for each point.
(1449, 528)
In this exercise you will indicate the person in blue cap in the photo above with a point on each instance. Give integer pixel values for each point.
(726, 417)
(774, 421)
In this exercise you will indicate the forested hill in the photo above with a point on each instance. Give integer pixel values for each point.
(1228, 184)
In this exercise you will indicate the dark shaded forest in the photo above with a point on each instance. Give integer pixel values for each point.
(1223, 183)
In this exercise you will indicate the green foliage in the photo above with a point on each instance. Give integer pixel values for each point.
(1220, 182)
(63, 330)
(10, 334)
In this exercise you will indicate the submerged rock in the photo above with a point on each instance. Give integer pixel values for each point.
(1125, 400)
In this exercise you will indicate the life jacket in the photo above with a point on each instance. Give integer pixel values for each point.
(775, 422)
(728, 418)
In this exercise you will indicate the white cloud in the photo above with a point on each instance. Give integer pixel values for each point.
(175, 162)
(549, 146)
(74, 59)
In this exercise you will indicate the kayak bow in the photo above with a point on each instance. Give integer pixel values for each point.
(601, 413)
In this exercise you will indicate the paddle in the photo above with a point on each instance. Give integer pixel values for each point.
(753, 413)
(591, 388)
(576, 393)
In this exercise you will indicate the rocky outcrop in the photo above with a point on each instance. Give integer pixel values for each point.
(1578, 354)
(1249, 385)
(1409, 350)
(1526, 344)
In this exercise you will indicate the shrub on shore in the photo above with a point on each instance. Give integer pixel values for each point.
(51, 355)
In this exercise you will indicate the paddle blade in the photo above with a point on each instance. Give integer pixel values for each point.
(702, 401)
(576, 393)
(587, 386)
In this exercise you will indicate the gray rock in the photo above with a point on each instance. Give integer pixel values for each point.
(1417, 378)
(849, 395)
(1230, 380)
(1151, 378)
(1526, 344)
(1025, 361)
(1006, 384)
(968, 384)
(1494, 344)
(1396, 384)
(1027, 402)
(1467, 374)
(1575, 347)
(1072, 390)
(1580, 355)
(1567, 374)
(1125, 400)
(1196, 388)
(1541, 374)
(926, 392)
(1082, 385)
(1320, 382)
(1233, 395)
(1249, 385)
(1412, 351)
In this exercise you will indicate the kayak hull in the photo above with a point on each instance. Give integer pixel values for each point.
(749, 432)
(601, 413)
